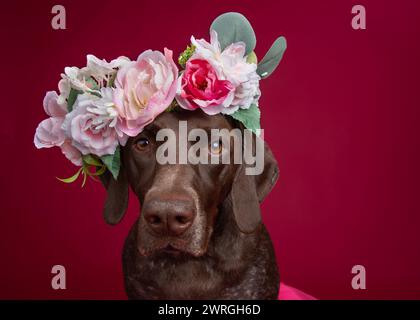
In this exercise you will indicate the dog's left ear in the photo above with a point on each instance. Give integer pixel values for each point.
(268, 178)
(117, 196)
(248, 191)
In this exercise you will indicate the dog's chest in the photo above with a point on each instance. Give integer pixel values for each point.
(166, 280)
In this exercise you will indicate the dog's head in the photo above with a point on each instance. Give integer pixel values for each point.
(181, 202)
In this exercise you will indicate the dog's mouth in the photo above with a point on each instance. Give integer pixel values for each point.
(171, 250)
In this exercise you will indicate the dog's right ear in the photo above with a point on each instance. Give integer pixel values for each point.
(117, 196)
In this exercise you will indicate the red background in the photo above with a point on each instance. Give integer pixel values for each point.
(340, 113)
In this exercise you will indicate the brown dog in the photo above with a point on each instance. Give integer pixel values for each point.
(200, 234)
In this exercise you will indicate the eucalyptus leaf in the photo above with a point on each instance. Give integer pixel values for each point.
(72, 98)
(233, 27)
(250, 118)
(272, 58)
(113, 162)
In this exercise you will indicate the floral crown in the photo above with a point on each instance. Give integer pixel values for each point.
(103, 104)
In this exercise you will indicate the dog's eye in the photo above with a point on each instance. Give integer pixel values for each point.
(216, 147)
(142, 144)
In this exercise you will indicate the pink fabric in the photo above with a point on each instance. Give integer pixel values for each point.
(289, 293)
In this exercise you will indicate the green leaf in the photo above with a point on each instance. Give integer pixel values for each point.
(183, 57)
(92, 84)
(98, 172)
(92, 160)
(112, 80)
(173, 106)
(112, 162)
(250, 118)
(272, 58)
(72, 98)
(84, 178)
(233, 27)
(72, 178)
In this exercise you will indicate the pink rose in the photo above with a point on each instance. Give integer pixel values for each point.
(50, 133)
(230, 65)
(202, 87)
(71, 153)
(87, 130)
(144, 89)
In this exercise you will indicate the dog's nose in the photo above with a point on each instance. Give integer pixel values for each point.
(174, 223)
(169, 218)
